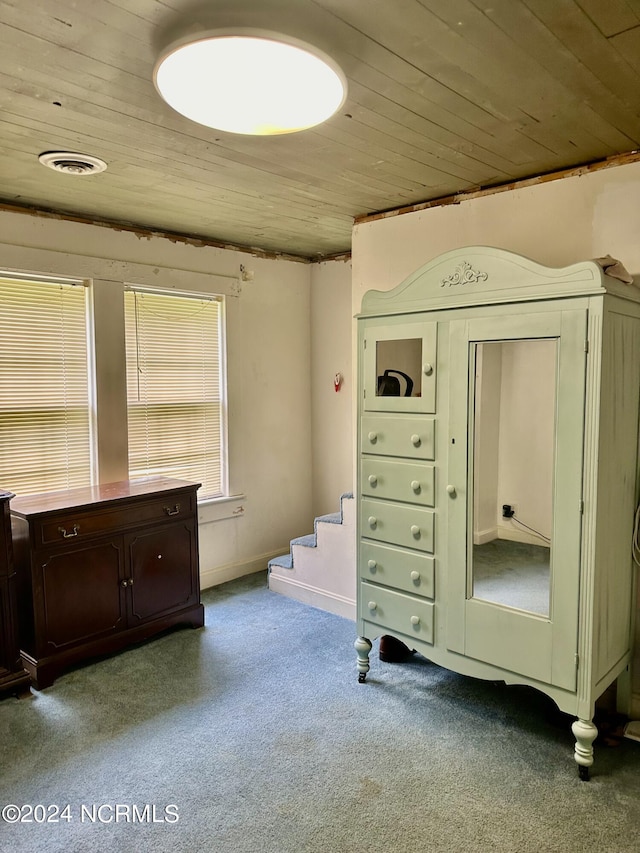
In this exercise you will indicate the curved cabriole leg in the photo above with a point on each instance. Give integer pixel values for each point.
(363, 647)
(585, 733)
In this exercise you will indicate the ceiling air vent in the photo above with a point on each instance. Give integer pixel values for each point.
(71, 163)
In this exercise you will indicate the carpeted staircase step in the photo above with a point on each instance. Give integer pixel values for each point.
(331, 518)
(285, 562)
(310, 540)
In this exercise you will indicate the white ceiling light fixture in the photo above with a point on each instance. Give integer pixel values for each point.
(250, 81)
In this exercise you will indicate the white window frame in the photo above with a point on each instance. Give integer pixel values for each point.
(130, 287)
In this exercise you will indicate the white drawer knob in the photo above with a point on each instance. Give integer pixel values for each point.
(373, 437)
(428, 369)
(373, 522)
(451, 490)
(373, 480)
(415, 576)
(415, 485)
(415, 530)
(415, 440)
(372, 565)
(372, 605)
(415, 620)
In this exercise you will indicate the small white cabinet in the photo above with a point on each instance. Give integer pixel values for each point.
(498, 473)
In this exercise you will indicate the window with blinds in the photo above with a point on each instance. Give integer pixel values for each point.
(45, 441)
(175, 388)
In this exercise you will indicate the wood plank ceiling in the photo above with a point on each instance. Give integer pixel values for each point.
(445, 96)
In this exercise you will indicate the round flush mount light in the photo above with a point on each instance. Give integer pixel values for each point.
(251, 82)
(71, 163)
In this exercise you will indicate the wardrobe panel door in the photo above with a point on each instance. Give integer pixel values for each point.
(514, 490)
(400, 367)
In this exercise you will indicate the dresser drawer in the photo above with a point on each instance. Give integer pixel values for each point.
(397, 611)
(67, 525)
(410, 482)
(405, 570)
(398, 524)
(413, 437)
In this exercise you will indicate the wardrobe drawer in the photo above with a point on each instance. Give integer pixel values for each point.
(411, 482)
(398, 436)
(398, 524)
(405, 570)
(397, 611)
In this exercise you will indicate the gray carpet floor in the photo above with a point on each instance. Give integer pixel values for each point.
(512, 573)
(256, 729)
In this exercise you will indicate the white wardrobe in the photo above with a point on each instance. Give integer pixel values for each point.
(498, 473)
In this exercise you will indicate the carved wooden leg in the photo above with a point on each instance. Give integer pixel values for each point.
(363, 647)
(585, 733)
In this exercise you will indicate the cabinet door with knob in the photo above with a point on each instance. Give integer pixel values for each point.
(160, 579)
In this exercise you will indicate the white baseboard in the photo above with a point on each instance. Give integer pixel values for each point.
(514, 535)
(481, 537)
(231, 571)
(308, 594)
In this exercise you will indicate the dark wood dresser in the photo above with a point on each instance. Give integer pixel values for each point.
(13, 677)
(102, 567)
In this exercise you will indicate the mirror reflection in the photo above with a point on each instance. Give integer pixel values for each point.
(514, 406)
(398, 368)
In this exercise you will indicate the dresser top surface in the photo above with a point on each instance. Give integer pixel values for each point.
(29, 505)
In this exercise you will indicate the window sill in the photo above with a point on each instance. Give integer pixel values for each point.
(217, 509)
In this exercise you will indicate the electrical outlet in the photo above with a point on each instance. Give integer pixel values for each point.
(508, 510)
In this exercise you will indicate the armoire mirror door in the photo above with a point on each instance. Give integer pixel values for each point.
(516, 407)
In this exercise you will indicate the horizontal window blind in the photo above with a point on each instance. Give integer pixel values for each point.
(175, 388)
(44, 388)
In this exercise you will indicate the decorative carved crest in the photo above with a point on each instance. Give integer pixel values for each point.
(464, 274)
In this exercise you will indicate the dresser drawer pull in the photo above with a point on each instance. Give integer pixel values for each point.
(373, 480)
(373, 522)
(372, 605)
(415, 620)
(372, 565)
(428, 369)
(451, 490)
(415, 485)
(415, 531)
(373, 437)
(172, 510)
(416, 440)
(415, 576)
(74, 532)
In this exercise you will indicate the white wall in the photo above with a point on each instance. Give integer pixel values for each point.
(330, 410)
(555, 223)
(269, 364)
